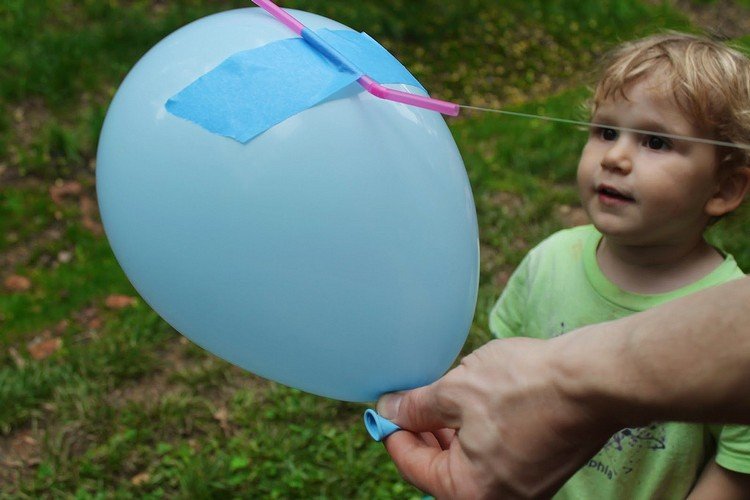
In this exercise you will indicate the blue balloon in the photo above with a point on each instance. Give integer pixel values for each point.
(337, 252)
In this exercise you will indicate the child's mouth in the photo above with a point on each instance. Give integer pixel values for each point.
(612, 195)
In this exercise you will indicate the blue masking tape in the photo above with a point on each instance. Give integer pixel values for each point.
(379, 427)
(368, 55)
(330, 52)
(253, 90)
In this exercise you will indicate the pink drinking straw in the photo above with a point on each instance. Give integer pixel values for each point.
(370, 85)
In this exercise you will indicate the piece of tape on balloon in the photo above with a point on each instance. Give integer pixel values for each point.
(253, 90)
(379, 427)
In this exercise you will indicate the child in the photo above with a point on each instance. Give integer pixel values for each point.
(650, 198)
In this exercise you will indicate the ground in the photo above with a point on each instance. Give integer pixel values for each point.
(98, 396)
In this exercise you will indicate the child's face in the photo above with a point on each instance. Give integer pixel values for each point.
(645, 189)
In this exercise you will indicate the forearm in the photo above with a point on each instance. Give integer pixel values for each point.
(718, 483)
(687, 360)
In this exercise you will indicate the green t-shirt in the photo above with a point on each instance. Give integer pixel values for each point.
(559, 287)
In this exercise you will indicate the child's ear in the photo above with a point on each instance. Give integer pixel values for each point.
(730, 192)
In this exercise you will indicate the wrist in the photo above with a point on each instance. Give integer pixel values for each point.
(595, 373)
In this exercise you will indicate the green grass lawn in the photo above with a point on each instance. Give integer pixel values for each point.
(99, 397)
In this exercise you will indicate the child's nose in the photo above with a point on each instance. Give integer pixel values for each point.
(618, 157)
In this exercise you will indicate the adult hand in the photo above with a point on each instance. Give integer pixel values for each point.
(519, 416)
(500, 425)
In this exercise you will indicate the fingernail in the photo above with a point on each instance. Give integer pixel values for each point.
(388, 405)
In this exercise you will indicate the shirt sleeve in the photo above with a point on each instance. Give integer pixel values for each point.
(508, 316)
(733, 448)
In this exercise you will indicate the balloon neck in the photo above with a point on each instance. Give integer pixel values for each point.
(379, 427)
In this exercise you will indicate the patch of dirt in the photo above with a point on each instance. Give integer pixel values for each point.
(510, 204)
(7, 175)
(22, 450)
(20, 255)
(28, 117)
(19, 454)
(61, 193)
(156, 386)
(571, 216)
(153, 387)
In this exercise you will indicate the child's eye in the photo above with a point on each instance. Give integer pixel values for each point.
(656, 142)
(607, 134)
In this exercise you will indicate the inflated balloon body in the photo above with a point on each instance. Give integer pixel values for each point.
(335, 252)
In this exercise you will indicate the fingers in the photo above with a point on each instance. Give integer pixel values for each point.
(418, 461)
(445, 437)
(443, 473)
(441, 438)
(426, 408)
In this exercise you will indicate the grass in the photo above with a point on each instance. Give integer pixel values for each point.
(123, 406)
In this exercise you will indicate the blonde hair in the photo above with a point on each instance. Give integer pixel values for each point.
(710, 81)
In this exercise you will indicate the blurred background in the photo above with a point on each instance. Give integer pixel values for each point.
(101, 398)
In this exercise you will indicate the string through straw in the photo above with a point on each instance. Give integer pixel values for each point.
(438, 105)
(602, 125)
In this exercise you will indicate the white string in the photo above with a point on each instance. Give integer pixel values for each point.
(602, 125)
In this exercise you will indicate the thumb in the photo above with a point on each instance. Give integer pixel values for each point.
(423, 409)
